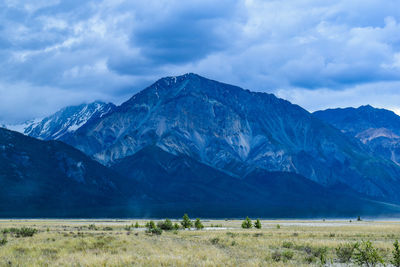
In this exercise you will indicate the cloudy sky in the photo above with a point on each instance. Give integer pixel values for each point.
(318, 54)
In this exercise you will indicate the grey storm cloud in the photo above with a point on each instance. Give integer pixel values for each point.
(315, 53)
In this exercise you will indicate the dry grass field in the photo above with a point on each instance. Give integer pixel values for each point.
(119, 243)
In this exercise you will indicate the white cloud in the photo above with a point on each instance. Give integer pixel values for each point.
(316, 53)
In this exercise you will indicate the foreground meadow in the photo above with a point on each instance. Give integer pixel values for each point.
(220, 243)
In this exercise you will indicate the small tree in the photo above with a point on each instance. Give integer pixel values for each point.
(153, 229)
(150, 225)
(366, 254)
(396, 254)
(247, 224)
(186, 222)
(136, 225)
(166, 225)
(198, 224)
(257, 224)
(176, 226)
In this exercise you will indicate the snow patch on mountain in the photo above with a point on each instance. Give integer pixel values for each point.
(66, 120)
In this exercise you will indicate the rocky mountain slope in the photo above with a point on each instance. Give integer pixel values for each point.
(379, 129)
(237, 131)
(51, 179)
(64, 121)
(175, 184)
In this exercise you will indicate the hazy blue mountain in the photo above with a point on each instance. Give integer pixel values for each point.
(175, 184)
(51, 179)
(237, 131)
(66, 120)
(379, 129)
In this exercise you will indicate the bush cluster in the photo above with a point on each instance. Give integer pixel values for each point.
(153, 229)
(166, 225)
(20, 232)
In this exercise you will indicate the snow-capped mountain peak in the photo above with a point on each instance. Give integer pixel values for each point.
(66, 120)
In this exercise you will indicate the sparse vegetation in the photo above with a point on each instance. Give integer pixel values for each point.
(20, 232)
(344, 252)
(365, 254)
(215, 240)
(396, 254)
(287, 244)
(257, 224)
(288, 254)
(3, 241)
(71, 243)
(276, 256)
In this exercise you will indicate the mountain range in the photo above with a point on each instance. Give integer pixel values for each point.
(379, 129)
(191, 144)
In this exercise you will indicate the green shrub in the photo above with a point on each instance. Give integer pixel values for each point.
(3, 241)
(214, 240)
(107, 228)
(278, 226)
(257, 224)
(176, 226)
(153, 229)
(246, 224)
(310, 259)
(233, 235)
(166, 225)
(186, 222)
(366, 254)
(288, 255)
(198, 224)
(137, 225)
(396, 254)
(287, 244)
(321, 254)
(21, 232)
(92, 227)
(276, 256)
(344, 252)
